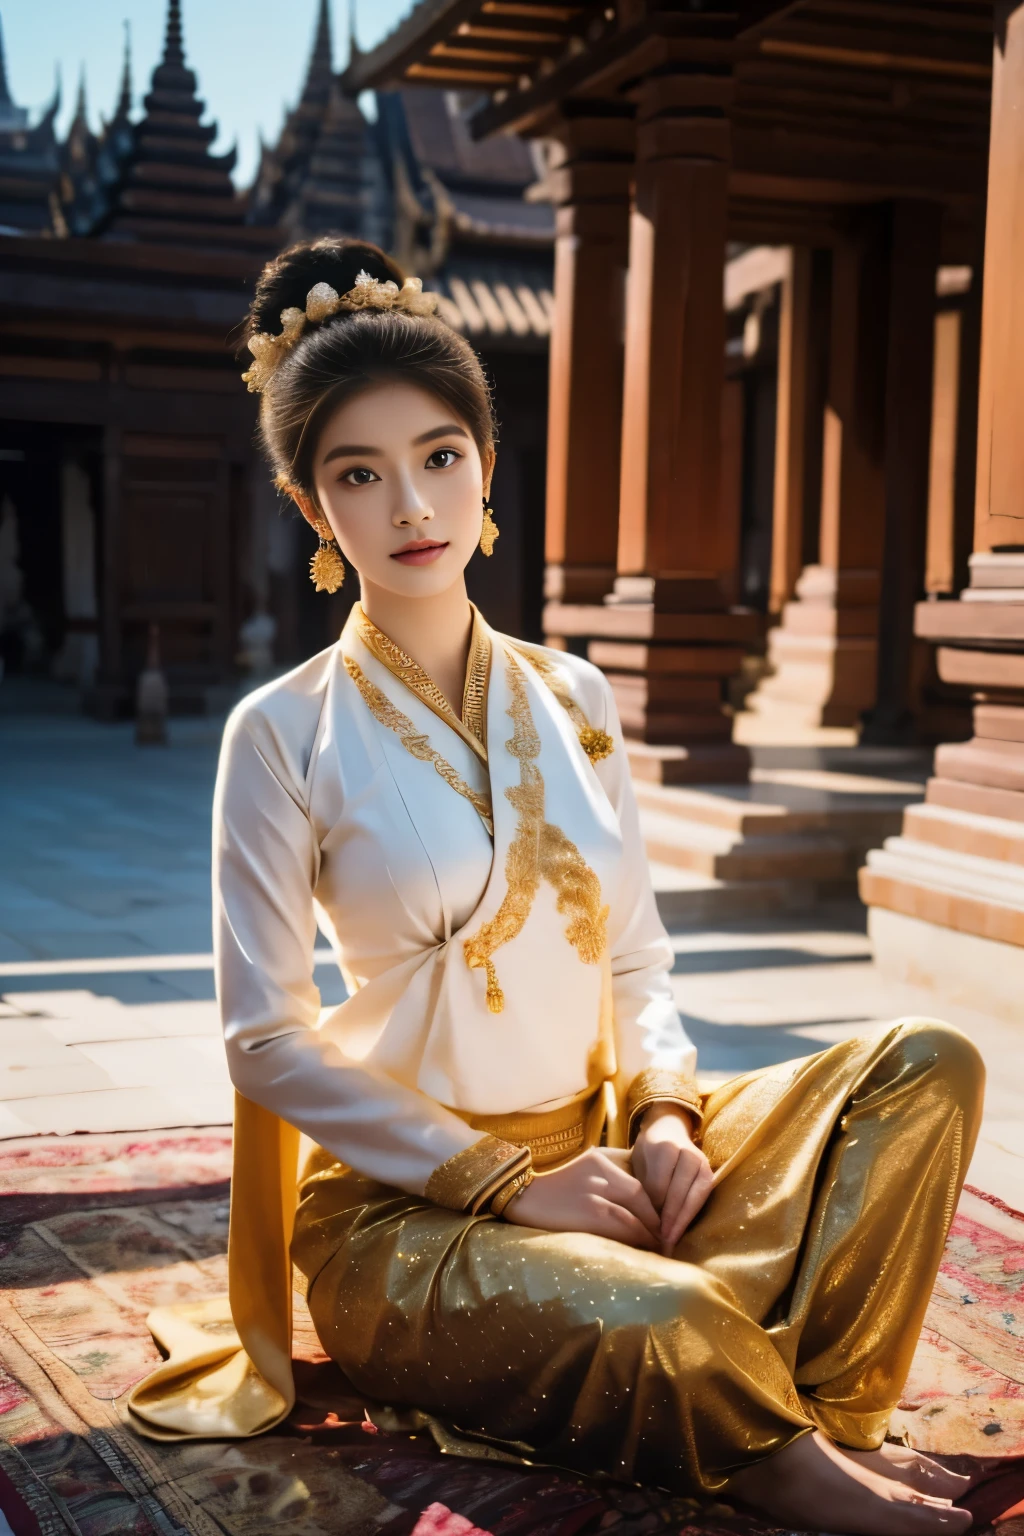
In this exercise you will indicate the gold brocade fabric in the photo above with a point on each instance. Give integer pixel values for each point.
(794, 1300)
(554, 1135)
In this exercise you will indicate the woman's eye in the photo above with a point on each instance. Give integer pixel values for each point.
(443, 458)
(360, 476)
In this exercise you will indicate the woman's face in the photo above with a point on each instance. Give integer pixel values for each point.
(402, 483)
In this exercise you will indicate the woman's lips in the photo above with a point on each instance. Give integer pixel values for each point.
(424, 552)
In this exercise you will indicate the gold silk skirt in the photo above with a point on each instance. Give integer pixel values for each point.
(795, 1300)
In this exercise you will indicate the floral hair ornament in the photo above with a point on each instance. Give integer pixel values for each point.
(323, 302)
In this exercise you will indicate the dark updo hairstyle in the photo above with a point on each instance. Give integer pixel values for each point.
(336, 358)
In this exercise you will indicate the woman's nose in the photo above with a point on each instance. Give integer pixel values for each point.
(411, 511)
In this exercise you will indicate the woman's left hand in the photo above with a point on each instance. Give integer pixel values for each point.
(675, 1173)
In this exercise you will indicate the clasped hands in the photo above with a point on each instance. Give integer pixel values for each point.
(646, 1198)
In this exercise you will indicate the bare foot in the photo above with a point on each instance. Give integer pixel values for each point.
(904, 1465)
(811, 1486)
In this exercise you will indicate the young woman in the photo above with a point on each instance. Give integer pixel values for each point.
(517, 1213)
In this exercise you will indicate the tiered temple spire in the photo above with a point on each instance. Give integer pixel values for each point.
(123, 110)
(28, 161)
(80, 200)
(119, 134)
(171, 188)
(284, 168)
(11, 117)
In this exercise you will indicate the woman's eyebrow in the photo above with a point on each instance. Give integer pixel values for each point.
(349, 450)
(346, 450)
(449, 430)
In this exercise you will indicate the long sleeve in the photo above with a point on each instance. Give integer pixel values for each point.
(266, 860)
(656, 1058)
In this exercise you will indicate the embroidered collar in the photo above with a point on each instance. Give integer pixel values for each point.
(473, 725)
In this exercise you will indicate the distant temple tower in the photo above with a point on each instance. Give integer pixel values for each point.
(80, 201)
(322, 175)
(171, 188)
(28, 162)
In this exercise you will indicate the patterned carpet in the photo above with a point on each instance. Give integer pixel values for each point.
(95, 1231)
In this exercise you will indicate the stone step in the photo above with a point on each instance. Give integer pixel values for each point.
(947, 869)
(808, 827)
(811, 619)
(911, 894)
(715, 851)
(687, 899)
(988, 837)
(698, 763)
(773, 715)
(959, 966)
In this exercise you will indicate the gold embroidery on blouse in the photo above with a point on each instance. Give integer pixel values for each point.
(596, 744)
(423, 686)
(659, 1085)
(478, 674)
(415, 742)
(538, 850)
(466, 1181)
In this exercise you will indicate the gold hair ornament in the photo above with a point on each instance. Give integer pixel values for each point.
(323, 302)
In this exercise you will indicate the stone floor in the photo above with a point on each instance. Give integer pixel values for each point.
(107, 1013)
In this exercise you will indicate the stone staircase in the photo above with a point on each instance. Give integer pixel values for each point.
(791, 838)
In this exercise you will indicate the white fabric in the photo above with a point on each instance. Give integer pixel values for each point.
(321, 814)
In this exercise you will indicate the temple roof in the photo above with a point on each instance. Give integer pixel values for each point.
(831, 103)
(314, 180)
(11, 117)
(80, 193)
(171, 188)
(28, 162)
(476, 190)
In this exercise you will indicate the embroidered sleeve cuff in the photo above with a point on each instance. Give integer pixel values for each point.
(656, 1086)
(467, 1181)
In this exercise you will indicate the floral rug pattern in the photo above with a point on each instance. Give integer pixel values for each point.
(97, 1230)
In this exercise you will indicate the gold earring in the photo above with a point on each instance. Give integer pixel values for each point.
(327, 568)
(489, 532)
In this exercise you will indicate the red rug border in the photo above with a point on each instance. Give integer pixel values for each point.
(1000, 1205)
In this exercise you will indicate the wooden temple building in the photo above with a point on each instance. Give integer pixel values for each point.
(131, 490)
(870, 139)
(772, 247)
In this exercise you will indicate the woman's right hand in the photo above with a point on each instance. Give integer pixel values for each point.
(593, 1193)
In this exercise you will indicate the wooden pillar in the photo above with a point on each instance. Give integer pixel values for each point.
(103, 698)
(590, 185)
(915, 230)
(967, 425)
(853, 477)
(669, 642)
(939, 579)
(947, 898)
(823, 654)
(800, 394)
(999, 505)
(674, 365)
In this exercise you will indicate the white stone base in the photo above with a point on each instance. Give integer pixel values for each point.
(984, 975)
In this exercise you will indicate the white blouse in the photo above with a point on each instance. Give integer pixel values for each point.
(324, 816)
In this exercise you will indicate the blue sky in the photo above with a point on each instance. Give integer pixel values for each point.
(249, 55)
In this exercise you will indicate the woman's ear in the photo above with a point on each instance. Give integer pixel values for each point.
(307, 507)
(487, 462)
